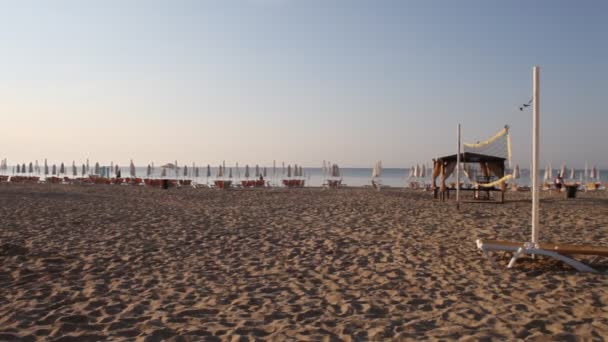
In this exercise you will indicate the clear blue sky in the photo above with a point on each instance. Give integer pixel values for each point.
(300, 81)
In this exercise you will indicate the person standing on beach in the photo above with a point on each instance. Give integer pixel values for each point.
(559, 182)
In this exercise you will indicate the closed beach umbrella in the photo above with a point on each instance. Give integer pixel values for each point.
(592, 174)
(197, 172)
(74, 169)
(149, 171)
(84, 169)
(30, 168)
(37, 167)
(111, 167)
(246, 171)
(572, 175)
(516, 173)
(238, 171)
(116, 169)
(230, 173)
(88, 168)
(257, 171)
(132, 169)
(335, 171)
(274, 168)
(54, 170)
(46, 168)
(289, 171)
(264, 172)
(208, 170)
(23, 168)
(220, 174)
(96, 170)
(283, 169)
(417, 171)
(546, 176)
(18, 170)
(562, 171)
(61, 169)
(586, 174)
(185, 171)
(423, 171)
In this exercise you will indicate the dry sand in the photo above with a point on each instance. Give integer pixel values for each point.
(124, 263)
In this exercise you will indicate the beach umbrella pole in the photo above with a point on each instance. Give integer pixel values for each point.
(535, 152)
(457, 171)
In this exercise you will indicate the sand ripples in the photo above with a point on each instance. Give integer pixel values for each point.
(90, 263)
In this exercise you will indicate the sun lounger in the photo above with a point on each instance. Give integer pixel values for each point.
(560, 252)
(223, 184)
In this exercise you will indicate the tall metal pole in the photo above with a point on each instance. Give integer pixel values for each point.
(458, 171)
(535, 153)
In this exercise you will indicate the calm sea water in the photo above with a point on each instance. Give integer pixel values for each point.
(394, 177)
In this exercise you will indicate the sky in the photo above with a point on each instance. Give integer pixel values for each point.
(254, 81)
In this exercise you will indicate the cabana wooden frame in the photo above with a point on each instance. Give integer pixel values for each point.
(444, 166)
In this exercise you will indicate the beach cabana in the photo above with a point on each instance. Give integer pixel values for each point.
(491, 179)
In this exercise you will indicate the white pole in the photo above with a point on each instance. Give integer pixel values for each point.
(535, 153)
(458, 171)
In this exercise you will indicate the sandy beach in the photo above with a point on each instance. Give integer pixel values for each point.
(81, 263)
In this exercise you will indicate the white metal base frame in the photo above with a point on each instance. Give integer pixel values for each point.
(531, 249)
